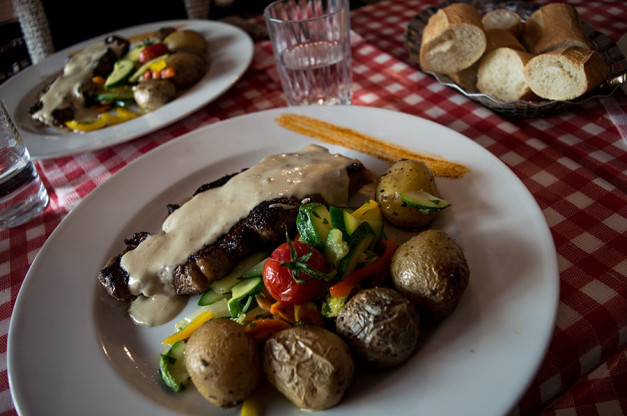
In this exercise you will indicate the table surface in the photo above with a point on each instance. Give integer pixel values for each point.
(573, 163)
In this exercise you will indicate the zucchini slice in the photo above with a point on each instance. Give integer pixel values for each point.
(225, 284)
(172, 367)
(122, 70)
(424, 201)
(313, 224)
(361, 239)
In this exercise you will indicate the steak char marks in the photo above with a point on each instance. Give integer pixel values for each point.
(263, 228)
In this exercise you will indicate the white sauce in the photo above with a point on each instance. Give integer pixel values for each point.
(210, 214)
(155, 310)
(66, 90)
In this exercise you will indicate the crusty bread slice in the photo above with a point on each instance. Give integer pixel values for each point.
(553, 26)
(453, 39)
(501, 75)
(565, 73)
(495, 38)
(503, 19)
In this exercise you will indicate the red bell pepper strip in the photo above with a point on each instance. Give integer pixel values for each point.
(344, 287)
(262, 328)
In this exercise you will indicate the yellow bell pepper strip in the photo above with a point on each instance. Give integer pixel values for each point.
(344, 287)
(99, 123)
(250, 407)
(369, 210)
(125, 114)
(189, 329)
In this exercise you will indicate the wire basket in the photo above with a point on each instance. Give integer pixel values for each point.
(522, 108)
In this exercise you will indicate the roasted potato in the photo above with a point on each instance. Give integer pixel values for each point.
(189, 68)
(223, 362)
(380, 326)
(403, 176)
(430, 269)
(186, 41)
(310, 366)
(154, 93)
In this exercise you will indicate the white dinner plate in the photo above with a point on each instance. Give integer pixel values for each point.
(73, 351)
(230, 53)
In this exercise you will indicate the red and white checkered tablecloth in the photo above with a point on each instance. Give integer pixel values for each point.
(575, 165)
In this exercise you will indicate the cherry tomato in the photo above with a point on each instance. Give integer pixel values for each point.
(279, 280)
(151, 52)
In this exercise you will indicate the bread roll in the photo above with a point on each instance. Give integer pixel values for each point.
(501, 75)
(553, 26)
(565, 73)
(452, 40)
(503, 19)
(495, 38)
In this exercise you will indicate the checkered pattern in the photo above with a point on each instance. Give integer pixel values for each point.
(574, 164)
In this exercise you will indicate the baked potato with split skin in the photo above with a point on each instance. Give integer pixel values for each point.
(189, 68)
(404, 176)
(310, 366)
(186, 41)
(380, 326)
(430, 269)
(223, 362)
(154, 93)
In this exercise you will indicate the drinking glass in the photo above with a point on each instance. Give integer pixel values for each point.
(311, 44)
(22, 195)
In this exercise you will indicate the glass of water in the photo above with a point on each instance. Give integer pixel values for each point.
(311, 44)
(22, 195)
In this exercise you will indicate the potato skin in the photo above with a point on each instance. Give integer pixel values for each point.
(223, 362)
(154, 93)
(380, 325)
(430, 269)
(187, 41)
(189, 68)
(310, 366)
(405, 175)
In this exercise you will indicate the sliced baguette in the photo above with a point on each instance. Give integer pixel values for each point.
(503, 19)
(495, 38)
(565, 73)
(501, 75)
(453, 39)
(553, 26)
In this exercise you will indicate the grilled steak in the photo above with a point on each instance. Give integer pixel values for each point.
(265, 227)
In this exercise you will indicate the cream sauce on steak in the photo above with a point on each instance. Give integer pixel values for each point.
(211, 214)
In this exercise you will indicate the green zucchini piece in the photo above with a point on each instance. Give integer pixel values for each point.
(313, 224)
(331, 306)
(335, 247)
(225, 284)
(210, 297)
(133, 78)
(255, 271)
(424, 201)
(337, 219)
(122, 70)
(362, 239)
(248, 287)
(133, 54)
(172, 367)
(121, 93)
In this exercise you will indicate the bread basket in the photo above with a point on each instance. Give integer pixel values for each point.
(522, 109)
